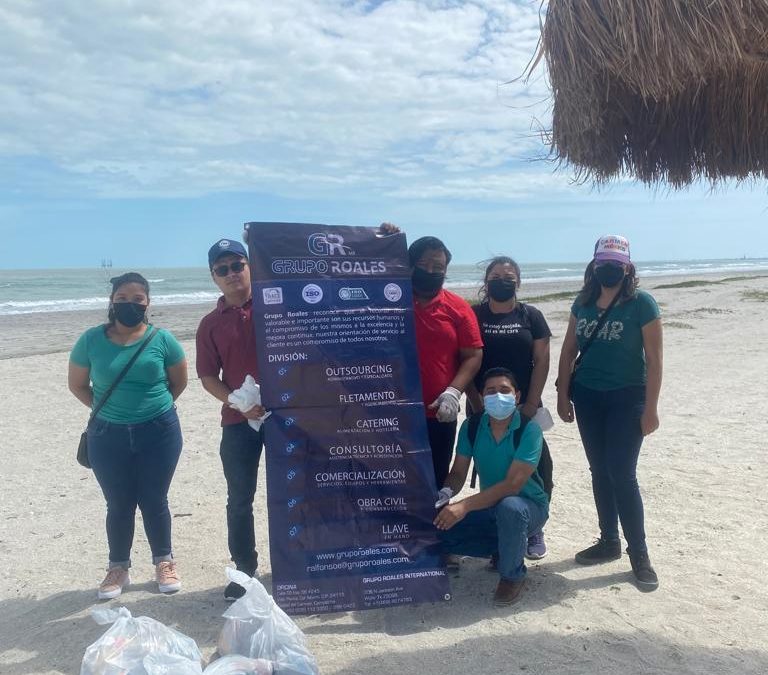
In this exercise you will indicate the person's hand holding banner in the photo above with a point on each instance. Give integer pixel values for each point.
(389, 228)
(443, 497)
(447, 405)
(450, 515)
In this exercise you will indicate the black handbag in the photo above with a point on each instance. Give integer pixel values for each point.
(82, 448)
(598, 327)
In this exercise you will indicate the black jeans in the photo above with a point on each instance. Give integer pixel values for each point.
(134, 465)
(442, 436)
(545, 468)
(609, 425)
(240, 452)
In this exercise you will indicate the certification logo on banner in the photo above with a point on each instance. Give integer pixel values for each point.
(393, 292)
(352, 294)
(312, 293)
(272, 296)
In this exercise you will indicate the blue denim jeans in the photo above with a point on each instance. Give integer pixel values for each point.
(134, 465)
(609, 425)
(240, 452)
(502, 529)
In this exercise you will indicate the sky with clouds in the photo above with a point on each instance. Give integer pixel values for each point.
(143, 131)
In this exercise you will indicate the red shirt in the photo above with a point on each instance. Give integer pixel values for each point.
(226, 346)
(444, 325)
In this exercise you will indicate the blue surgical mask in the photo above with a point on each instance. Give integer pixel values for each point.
(500, 406)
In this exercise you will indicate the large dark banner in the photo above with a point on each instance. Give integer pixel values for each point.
(350, 485)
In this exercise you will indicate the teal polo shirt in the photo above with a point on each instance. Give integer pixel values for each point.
(492, 459)
(143, 393)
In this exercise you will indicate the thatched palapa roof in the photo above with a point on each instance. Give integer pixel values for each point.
(661, 90)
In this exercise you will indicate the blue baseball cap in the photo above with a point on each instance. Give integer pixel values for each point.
(225, 247)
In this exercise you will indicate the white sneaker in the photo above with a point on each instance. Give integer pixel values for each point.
(167, 576)
(116, 580)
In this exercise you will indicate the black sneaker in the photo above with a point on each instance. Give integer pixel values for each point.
(644, 573)
(604, 550)
(233, 592)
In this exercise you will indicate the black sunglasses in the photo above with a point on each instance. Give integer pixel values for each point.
(223, 270)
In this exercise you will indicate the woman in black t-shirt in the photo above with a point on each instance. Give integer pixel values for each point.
(516, 337)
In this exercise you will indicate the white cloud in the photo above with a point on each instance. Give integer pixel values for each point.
(178, 98)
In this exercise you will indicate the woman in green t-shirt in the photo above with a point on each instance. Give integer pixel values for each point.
(614, 392)
(134, 441)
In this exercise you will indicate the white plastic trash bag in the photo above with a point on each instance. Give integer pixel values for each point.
(121, 650)
(258, 628)
(240, 665)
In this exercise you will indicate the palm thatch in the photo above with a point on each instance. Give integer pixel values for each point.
(662, 90)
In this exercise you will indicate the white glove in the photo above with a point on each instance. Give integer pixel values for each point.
(447, 405)
(443, 497)
(245, 398)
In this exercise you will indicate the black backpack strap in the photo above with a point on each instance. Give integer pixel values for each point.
(472, 427)
(517, 434)
(473, 424)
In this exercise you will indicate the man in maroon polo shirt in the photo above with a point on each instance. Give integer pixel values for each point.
(449, 345)
(226, 353)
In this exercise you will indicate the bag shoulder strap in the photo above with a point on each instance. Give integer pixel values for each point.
(600, 323)
(517, 434)
(472, 427)
(123, 373)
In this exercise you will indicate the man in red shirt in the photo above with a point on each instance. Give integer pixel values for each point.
(448, 343)
(226, 353)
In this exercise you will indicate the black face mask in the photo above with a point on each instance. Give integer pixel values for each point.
(129, 314)
(427, 283)
(609, 275)
(502, 290)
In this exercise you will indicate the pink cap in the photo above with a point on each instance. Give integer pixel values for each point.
(612, 247)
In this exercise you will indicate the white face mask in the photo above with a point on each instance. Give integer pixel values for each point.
(500, 406)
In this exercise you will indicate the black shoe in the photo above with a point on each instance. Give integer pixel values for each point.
(645, 575)
(452, 563)
(602, 551)
(233, 592)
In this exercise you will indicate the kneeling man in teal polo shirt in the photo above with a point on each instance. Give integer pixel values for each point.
(512, 502)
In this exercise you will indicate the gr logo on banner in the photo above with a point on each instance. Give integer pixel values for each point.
(328, 244)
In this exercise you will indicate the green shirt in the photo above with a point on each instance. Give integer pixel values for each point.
(143, 393)
(492, 459)
(615, 359)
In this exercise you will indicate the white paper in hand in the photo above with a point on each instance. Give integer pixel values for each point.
(245, 398)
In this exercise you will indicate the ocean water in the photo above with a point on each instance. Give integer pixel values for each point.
(30, 291)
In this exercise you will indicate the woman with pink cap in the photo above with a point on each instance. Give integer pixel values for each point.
(610, 374)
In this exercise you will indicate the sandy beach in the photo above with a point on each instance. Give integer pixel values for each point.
(703, 476)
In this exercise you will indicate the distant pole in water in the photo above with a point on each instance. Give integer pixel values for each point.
(106, 267)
